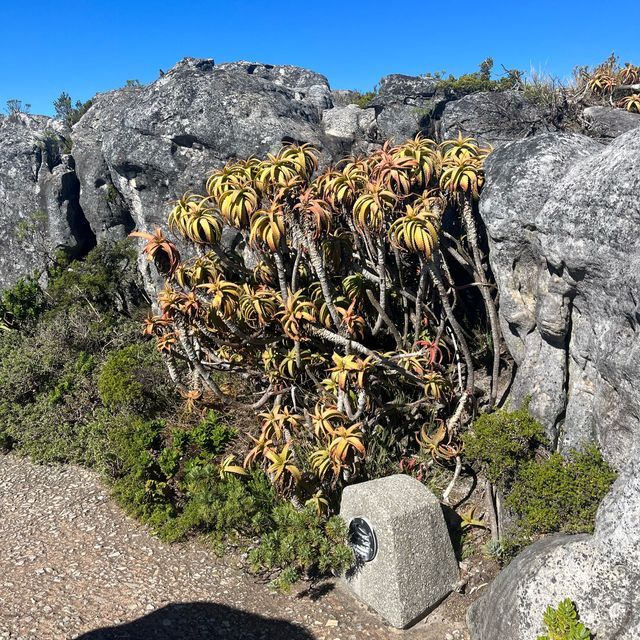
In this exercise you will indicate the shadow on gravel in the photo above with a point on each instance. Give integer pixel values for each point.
(201, 621)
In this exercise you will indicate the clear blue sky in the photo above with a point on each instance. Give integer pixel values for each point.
(86, 46)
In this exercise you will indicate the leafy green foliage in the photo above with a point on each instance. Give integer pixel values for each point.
(128, 377)
(560, 495)
(68, 112)
(502, 440)
(547, 492)
(364, 99)
(230, 508)
(563, 624)
(22, 304)
(50, 365)
(300, 542)
(481, 80)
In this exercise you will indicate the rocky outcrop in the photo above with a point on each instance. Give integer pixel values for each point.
(562, 214)
(495, 117)
(608, 123)
(141, 147)
(406, 105)
(599, 573)
(39, 207)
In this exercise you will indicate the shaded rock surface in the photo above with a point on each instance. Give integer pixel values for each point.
(494, 117)
(608, 123)
(407, 104)
(562, 214)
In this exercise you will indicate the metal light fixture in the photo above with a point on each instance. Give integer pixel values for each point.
(363, 540)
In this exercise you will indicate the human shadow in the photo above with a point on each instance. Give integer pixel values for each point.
(201, 621)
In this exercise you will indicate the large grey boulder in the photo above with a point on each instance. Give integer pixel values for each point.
(532, 313)
(39, 208)
(415, 566)
(608, 123)
(138, 148)
(562, 214)
(406, 105)
(599, 573)
(495, 117)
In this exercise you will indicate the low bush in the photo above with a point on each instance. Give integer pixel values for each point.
(560, 494)
(545, 491)
(500, 441)
(364, 99)
(79, 384)
(132, 378)
(172, 480)
(481, 80)
(21, 305)
(300, 542)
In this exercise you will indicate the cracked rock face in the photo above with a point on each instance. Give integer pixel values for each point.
(607, 123)
(139, 148)
(562, 215)
(39, 207)
(494, 117)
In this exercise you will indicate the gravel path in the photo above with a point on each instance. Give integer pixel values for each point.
(72, 565)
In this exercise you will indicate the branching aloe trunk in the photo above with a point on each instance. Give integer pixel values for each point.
(382, 276)
(422, 289)
(282, 275)
(434, 272)
(316, 262)
(483, 285)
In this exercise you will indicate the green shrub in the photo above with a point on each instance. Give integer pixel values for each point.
(129, 379)
(169, 479)
(560, 494)
(563, 624)
(140, 486)
(211, 435)
(22, 304)
(364, 99)
(502, 440)
(105, 281)
(229, 508)
(67, 111)
(481, 80)
(302, 542)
